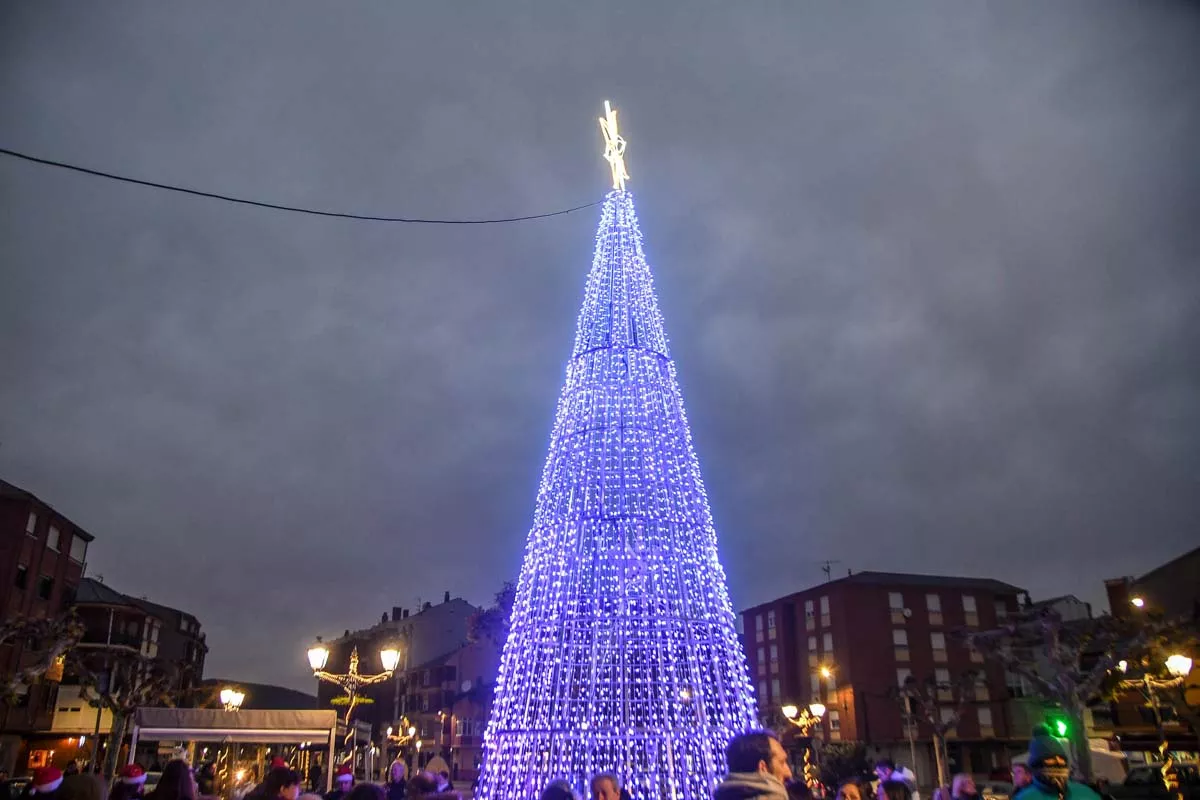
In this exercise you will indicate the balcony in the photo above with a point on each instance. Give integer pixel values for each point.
(94, 639)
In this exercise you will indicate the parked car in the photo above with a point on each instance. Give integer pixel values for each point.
(1144, 782)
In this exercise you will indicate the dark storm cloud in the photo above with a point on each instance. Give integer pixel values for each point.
(929, 272)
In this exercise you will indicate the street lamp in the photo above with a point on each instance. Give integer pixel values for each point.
(806, 719)
(352, 681)
(1138, 602)
(1178, 667)
(231, 698)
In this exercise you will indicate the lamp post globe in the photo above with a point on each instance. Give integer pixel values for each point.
(1179, 666)
(790, 711)
(389, 657)
(817, 709)
(318, 657)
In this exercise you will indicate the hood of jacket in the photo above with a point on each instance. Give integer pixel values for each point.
(749, 785)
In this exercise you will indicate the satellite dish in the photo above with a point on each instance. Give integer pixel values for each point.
(908, 613)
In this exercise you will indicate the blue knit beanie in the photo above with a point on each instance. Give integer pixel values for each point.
(1043, 746)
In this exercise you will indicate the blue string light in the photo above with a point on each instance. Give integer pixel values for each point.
(622, 654)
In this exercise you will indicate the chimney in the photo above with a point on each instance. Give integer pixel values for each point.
(446, 599)
(405, 613)
(397, 613)
(384, 620)
(428, 605)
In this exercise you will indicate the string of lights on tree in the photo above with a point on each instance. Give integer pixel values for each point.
(622, 654)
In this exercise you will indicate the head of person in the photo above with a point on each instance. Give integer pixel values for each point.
(176, 782)
(420, 785)
(849, 790)
(367, 791)
(606, 786)
(558, 790)
(758, 751)
(1020, 775)
(282, 782)
(83, 787)
(884, 768)
(895, 790)
(206, 779)
(132, 779)
(397, 771)
(963, 785)
(1048, 763)
(343, 778)
(3, 774)
(46, 780)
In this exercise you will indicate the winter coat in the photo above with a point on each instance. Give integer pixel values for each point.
(1075, 791)
(751, 786)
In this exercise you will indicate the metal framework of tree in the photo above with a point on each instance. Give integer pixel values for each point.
(622, 653)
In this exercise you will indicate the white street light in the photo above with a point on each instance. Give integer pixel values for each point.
(1179, 666)
(1138, 602)
(389, 657)
(318, 657)
(817, 709)
(790, 711)
(231, 698)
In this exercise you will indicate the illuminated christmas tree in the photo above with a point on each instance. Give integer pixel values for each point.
(622, 654)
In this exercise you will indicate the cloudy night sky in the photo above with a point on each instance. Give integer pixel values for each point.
(931, 273)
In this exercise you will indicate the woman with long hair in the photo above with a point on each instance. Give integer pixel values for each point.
(282, 783)
(176, 782)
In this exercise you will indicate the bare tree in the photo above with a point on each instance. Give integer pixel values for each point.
(123, 682)
(50, 640)
(939, 705)
(1070, 663)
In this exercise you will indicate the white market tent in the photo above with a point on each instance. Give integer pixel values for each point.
(237, 727)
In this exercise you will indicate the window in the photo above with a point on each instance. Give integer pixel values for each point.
(810, 622)
(831, 688)
(946, 713)
(827, 643)
(52, 537)
(941, 676)
(78, 548)
(985, 722)
(896, 606)
(775, 687)
(770, 624)
(22, 576)
(774, 658)
(1001, 611)
(758, 627)
(970, 611)
(900, 643)
(934, 604)
(902, 676)
(45, 587)
(835, 725)
(813, 658)
(976, 656)
(762, 661)
(824, 612)
(1015, 684)
(31, 524)
(938, 640)
(812, 644)
(762, 692)
(981, 690)
(814, 685)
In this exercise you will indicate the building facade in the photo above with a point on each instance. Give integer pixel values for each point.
(851, 643)
(43, 555)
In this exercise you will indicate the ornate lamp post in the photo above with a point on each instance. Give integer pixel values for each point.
(231, 698)
(1178, 667)
(400, 739)
(352, 681)
(806, 719)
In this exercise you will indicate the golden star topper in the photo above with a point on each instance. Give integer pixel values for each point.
(614, 146)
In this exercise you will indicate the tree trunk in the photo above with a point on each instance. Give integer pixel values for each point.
(939, 754)
(1077, 736)
(116, 740)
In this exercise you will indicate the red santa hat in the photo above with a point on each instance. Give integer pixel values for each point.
(133, 773)
(344, 773)
(47, 779)
(278, 761)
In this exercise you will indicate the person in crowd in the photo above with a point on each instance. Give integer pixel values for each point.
(443, 780)
(758, 768)
(962, 787)
(850, 790)
(367, 791)
(343, 779)
(887, 770)
(1020, 776)
(314, 777)
(606, 786)
(46, 782)
(206, 782)
(558, 790)
(1050, 770)
(282, 783)
(83, 786)
(5, 785)
(797, 789)
(397, 782)
(420, 785)
(176, 783)
(72, 768)
(895, 790)
(131, 781)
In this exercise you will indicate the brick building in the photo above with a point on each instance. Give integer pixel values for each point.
(850, 643)
(42, 559)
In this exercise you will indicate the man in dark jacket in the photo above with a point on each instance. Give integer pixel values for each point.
(758, 768)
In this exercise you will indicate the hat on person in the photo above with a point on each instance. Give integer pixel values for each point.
(47, 779)
(1043, 746)
(133, 773)
(344, 773)
(278, 761)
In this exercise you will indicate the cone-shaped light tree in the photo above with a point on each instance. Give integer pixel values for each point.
(622, 653)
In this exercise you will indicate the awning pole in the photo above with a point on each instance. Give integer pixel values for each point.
(133, 741)
(329, 766)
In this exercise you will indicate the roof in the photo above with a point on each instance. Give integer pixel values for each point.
(1053, 601)
(870, 578)
(93, 591)
(17, 493)
(1189, 554)
(421, 617)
